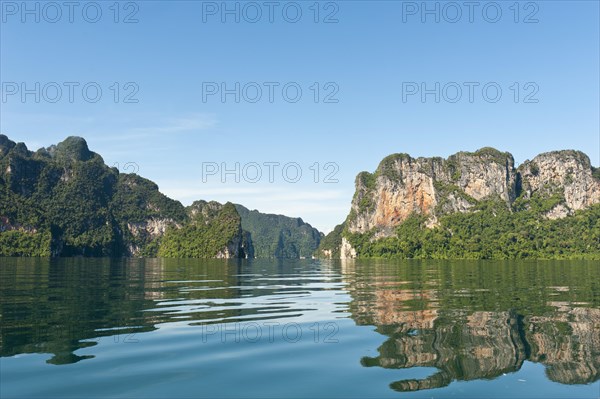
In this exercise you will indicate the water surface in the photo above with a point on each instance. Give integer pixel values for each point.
(160, 328)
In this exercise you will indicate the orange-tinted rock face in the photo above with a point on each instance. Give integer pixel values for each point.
(417, 196)
(403, 186)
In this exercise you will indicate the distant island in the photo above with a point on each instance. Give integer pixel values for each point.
(65, 201)
(473, 206)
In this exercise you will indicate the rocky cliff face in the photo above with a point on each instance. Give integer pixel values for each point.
(402, 186)
(567, 174)
(147, 231)
(346, 250)
(240, 246)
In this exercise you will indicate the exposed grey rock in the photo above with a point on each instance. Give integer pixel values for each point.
(564, 173)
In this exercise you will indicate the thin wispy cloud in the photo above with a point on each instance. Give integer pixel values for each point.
(179, 125)
(161, 127)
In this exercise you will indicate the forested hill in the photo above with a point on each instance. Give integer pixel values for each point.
(278, 236)
(65, 201)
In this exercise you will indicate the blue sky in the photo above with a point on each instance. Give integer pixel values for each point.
(367, 56)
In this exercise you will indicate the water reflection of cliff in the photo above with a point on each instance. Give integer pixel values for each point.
(436, 317)
(568, 343)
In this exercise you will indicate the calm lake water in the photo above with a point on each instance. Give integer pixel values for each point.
(160, 328)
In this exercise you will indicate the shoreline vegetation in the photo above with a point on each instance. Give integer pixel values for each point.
(494, 233)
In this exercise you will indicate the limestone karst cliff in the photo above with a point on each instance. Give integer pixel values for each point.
(402, 186)
(552, 186)
(567, 174)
